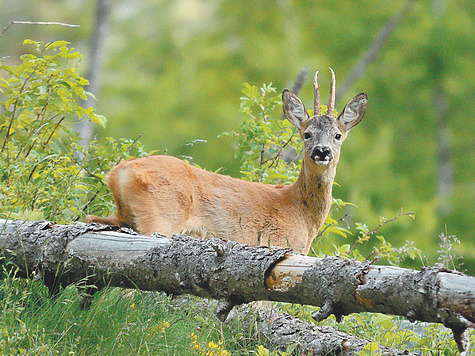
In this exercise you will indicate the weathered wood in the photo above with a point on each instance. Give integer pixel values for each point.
(433, 294)
(385, 289)
(234, 273)
(280, 330)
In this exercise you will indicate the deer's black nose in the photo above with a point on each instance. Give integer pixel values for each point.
(321, 154)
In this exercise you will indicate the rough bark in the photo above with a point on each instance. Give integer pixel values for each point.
(235, 274)
(280, 330)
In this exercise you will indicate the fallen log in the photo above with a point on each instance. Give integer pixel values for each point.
(234, 273)
(281, 330)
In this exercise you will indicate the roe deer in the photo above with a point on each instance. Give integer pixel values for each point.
(166, 195)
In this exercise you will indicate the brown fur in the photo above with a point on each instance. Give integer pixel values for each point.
(166, 195)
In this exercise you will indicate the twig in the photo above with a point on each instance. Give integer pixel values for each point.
(14, 110)
(261, 156)
(384, 222)
(343, 218)
(52, 132)
(320, 233)
(88, 171)
(277, 155)
(5, 29)
(31, 147)
(380, 225)
(87, 204)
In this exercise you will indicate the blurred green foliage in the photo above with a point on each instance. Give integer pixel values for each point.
(174, 70)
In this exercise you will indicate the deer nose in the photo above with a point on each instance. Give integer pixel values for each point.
(321, 154)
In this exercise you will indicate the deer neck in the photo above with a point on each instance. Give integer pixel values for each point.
(313, 190)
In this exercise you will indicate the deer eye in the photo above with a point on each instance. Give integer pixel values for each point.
(307, 135)
(337, 137)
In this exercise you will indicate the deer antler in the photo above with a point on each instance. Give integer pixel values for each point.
(316, 95)
(331, 100)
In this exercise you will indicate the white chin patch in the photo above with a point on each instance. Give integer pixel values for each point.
(322, 162)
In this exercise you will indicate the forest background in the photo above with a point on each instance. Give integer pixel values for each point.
(173, 72)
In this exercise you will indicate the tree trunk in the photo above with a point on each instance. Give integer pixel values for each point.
(445, 180)
(234, 273)
(373, 50)
(96, 58)
(444, 163)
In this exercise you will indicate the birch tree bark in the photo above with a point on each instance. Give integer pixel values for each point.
(235, 274)
(85, 127)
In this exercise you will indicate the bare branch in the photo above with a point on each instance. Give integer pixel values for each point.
(383, 222)
(47, 23)
(386, 221)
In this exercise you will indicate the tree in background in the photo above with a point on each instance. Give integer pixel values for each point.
(85, 127)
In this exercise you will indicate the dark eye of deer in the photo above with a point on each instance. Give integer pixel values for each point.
(338, 137)
(306, 135)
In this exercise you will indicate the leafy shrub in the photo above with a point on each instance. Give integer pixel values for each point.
(44, 172)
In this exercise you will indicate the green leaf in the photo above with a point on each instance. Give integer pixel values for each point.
(371, 347)
(27, 42)
(56, 44)
(99, 119)
(344, 249)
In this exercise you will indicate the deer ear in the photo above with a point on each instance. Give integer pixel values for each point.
(294, 109)
(354, 111)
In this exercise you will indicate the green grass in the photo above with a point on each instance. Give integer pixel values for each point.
(126, 322)
(119, 322)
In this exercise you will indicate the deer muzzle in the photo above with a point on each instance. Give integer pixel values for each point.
(321, 155)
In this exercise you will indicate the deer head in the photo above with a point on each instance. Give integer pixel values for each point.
(323, 134)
